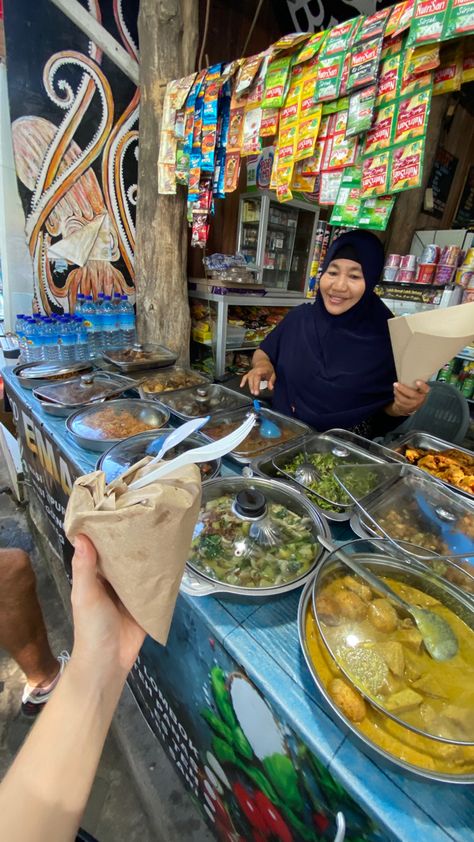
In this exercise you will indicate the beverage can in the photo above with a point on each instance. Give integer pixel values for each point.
(425, 273)
(444, 274)
(430, 254)
(464, 277)
(406, 276)
(408, 261)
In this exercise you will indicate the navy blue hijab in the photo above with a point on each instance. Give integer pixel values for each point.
(336, 371)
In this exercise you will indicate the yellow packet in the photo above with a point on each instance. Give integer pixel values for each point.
(269, 122)
(303, 183)
(312, 47)
(307, 135)
(421, 59)
(449, 76)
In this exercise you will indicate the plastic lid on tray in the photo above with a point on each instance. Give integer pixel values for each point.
(407, 505)
(253, 534)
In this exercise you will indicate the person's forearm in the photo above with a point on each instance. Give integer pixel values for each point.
(45, 792)
(260, 358)
(394, 411)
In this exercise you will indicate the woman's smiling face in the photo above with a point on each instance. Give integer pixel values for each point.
(342, 285)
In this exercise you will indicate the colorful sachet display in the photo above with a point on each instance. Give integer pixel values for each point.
(346, 111)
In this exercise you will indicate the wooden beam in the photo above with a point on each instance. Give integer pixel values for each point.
(168, 34)
(99, 35)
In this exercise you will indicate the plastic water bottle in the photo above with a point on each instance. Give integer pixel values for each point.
(99, 323)
(79, 304)
(20, 330)
(109, 325)
(82, 349)
(50, 345)
(127, 322)
(32, 350)
(68, 336)
(116, 302)
(89, 314)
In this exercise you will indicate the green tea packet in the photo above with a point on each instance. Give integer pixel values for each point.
(460, 19)
(348, 202)
(374, 213)
(361, 110)
(427, 22)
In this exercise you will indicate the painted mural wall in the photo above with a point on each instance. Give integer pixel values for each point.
(74, 120)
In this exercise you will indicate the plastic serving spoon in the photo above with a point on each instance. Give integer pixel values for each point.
(177, 436)
(456, 541)
(439, 639)
(268, 429)
(206, 453)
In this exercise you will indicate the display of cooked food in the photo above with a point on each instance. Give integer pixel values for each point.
(452, 466)
(407, 523)
(114, 423)
(381, 650)
(434, 697)
(255, 442)
(80, 391)
(223, 548)
(171, 379)
(327, 485)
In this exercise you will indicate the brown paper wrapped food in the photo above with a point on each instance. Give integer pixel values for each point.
(142, 537)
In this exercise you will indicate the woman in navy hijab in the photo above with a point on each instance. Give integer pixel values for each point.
(330, 364)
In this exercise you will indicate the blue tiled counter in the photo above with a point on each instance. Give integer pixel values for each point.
(185, 692)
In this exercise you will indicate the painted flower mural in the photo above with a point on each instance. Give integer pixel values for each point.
(78, 171)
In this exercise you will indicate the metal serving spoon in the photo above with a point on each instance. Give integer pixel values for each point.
(439, 639)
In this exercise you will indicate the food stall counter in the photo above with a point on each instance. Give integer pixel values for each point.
(232, 702)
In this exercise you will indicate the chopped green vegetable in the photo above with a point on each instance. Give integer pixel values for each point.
(328, 487)
(224, 548)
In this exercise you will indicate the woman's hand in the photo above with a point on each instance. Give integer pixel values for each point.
(106, 637)
(407, 400)
(262, 369)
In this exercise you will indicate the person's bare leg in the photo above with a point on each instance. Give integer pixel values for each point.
(22, 629)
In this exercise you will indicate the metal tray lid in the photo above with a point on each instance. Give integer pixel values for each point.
(170, 379)
(254, 535)
(89, 388)
(224, 422)
(36, 371)
(408, 505)
(204, 399)
(142, 355)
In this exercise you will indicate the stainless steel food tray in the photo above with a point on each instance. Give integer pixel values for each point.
(110, 460)
(172, 400)
(425, 441)
(196, 583)
(33, 375)
(158, 356)
(239, 415)
(200, 379)
(147, 411)
(317, 443)
(380, 565)
(113, 385)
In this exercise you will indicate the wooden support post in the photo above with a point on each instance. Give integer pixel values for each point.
(168, 33)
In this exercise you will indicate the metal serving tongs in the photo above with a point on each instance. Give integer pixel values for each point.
(213, 450)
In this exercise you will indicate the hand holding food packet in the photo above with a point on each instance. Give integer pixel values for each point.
(142, 537)
(424, 342)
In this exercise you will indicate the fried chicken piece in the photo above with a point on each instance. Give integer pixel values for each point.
(467, 483)
(459, 457)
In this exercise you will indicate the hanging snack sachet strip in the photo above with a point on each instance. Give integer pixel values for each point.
(428, 21)
(459, 20)
(406, 166)
(411, 118)
(361, 111)
(375, 173)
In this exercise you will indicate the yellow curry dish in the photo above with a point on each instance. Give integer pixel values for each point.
(391, 664)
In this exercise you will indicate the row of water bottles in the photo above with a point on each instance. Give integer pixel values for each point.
(97, 327)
